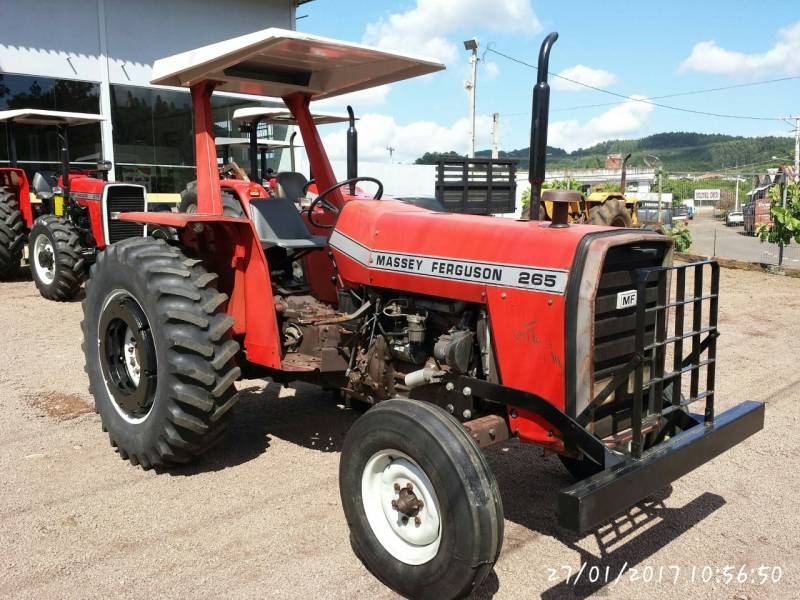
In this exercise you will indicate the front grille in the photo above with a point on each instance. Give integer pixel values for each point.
(120, 199)
(615, 329)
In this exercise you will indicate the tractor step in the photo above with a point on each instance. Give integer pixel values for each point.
(294, 361)
(597, 499)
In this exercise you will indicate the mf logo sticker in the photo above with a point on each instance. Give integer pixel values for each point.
(626, 299)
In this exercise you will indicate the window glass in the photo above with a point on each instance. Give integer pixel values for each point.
(132, 115)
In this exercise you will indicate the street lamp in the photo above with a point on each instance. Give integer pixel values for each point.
(654, 162)
(472, 46)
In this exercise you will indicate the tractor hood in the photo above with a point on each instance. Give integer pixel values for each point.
(391, 244)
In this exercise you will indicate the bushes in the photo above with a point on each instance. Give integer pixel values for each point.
(681, 236)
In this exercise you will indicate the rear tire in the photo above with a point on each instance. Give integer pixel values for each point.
(159, 352)
(231, 207)
(612, 213)
(457, 540)
(12, 234)
(55, 258)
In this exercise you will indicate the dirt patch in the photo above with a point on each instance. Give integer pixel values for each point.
(60, 406)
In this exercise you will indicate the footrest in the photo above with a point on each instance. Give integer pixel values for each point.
(595, 500)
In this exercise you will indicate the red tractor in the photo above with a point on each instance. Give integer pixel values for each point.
(74, 216)
(458, 331)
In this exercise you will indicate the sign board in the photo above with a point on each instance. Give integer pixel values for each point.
(707, 195)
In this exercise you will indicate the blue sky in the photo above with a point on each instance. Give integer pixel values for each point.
(638, 49)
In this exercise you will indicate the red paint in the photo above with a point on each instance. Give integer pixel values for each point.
(22, 189)
(209, 197)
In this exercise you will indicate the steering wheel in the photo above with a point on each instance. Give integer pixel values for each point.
(308, 184)
(324, 204)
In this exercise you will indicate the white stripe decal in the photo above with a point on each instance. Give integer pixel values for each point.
(495, 274)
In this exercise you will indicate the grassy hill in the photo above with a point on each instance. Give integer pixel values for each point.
(679, 151)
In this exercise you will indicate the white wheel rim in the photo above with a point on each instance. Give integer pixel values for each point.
(44, 273)
(133, 420)
(131, 357)
(415, 541)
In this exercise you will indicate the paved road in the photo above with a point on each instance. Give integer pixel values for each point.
(259, 516)
(711, 237)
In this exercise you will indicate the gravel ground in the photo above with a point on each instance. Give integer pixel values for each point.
(260, 516)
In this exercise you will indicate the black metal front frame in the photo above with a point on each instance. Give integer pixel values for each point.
(663, 440)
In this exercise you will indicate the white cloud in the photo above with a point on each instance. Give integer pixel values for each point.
(377, 132)
(423, 29)
(624, 120)
(784, 56)
(584, 74)
(491, 68)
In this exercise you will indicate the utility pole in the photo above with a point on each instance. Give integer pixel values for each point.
(737, 185)
(797, 148)
(391, 151)
(659, 196)
(495, 135)
(472, 46)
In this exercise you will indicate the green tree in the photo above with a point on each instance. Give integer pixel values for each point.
(431, 158)
(785, 225)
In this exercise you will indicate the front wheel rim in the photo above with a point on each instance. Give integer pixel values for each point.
(401, 507)
(127, 356)
(44, 259)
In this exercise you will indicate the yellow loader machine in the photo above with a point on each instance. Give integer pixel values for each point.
(598, 208)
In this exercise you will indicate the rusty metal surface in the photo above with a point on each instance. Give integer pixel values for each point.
(488, 430)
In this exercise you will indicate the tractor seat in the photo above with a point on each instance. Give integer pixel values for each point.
(278, 223)
(43, 184)
(291, 185)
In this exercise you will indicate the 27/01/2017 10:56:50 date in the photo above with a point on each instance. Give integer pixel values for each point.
(674, 574)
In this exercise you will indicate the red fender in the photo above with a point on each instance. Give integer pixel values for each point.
(231, 248)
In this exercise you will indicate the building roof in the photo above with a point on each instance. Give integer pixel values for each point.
(278, 62)
(35, 116)
(282, 116)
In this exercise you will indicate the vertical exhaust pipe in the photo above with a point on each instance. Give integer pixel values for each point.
(624, 179)
(352, 150)
(291, 151)
(539, 113)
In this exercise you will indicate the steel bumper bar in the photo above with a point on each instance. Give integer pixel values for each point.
(595, 500)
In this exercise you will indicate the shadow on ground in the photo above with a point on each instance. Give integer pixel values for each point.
(529, 484)
(311, 419)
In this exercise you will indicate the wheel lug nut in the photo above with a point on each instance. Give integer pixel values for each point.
(420, 504)
(404, 520)
(394, 504)
(417, 521)
(396, 487)
(409, 487)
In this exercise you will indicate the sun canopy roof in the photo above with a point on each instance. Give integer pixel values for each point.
(240, 141)
(278, 62)
(34, 116)
(282, 116)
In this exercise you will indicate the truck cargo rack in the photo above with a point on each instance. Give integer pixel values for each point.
(477, 186)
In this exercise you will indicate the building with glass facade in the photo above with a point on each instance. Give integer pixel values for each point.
(95, 56)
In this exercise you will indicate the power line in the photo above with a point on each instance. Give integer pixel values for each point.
(691, 93)
(633, 99)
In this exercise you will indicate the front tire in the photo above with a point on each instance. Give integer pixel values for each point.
(439, 538)
(158, 351)
(12, 234)
(55, 258)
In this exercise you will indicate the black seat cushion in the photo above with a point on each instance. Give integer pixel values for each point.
(278, 223)
(43, 183)
(291, 184)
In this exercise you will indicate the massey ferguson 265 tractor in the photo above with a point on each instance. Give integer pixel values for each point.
(75, 216)
(461, 331)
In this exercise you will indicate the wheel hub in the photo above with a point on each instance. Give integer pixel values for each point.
(44, 259)
(401, 507)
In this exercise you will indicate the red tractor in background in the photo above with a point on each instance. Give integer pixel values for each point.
(238, 187)
(459, 331)
(75, 215)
